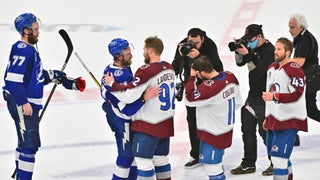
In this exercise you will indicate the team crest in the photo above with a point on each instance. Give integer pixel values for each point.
(208, 82)
(145, 66)
(275, 148)
(118, 72)
(294, 65)
(22, 45)
(274, 87)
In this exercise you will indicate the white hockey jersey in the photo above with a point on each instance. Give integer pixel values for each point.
(216, 101)
(290, 112)
(156, 115)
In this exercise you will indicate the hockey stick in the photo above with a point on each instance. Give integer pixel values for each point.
(14, 173)
(87, 69)
(68, 42)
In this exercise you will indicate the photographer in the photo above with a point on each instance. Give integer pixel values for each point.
(195, 44)
(257, 53)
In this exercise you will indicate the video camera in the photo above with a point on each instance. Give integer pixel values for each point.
(186, 47)
(237, 44)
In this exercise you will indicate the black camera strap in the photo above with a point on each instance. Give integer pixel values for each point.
(181, 68)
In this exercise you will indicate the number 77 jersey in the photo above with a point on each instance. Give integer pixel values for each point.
(156, 115)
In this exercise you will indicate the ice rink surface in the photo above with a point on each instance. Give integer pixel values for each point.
(77, 143)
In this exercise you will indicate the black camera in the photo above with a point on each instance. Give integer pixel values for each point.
(186, 47)
(237, 44)
(180, 88)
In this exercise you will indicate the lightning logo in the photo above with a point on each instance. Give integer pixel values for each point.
(40, 77)
(126, 135)
(21, 122)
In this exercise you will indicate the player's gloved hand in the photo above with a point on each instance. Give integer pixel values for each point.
(75, 84)
(54, 76)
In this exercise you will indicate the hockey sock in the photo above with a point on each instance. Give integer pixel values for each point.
(121, 171)
(280, 168)
(162, 167)
(163, 172)
(145, 168)
(133, 172)
(26, 163)
(18, 151)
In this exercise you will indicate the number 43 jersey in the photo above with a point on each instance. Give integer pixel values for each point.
(290, 111)
(156, 115)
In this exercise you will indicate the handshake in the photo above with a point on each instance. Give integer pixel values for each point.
(60, 77)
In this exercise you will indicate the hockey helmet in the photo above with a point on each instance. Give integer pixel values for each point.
(24, 21)
(117, 46)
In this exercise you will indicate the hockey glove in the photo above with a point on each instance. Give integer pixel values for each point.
(75, 84)
(53, 76)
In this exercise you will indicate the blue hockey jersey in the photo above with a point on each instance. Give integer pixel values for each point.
(24, 78)
(123, 76)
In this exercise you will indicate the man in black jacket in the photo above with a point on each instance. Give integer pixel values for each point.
(306, 56)
(195, 44)
(257, 54)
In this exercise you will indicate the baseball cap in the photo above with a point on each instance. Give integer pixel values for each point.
(251, 31)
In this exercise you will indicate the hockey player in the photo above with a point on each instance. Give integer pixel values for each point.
(23, 90)
(119, 114)
(285, 108)
(153, 123)
(216, 100)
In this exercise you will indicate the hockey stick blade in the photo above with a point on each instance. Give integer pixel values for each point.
(68, 42)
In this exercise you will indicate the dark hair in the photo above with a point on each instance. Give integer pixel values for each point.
(287, 44)
(194, 32)
(155, 43)
(202, 63)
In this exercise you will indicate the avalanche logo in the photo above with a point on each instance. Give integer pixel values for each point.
(209, 82)
(274, 87)
(294, 65)
(145, 66)
(275, 148)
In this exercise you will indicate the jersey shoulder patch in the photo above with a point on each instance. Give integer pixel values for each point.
(22, 45)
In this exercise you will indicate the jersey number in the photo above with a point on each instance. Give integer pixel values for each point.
(18, 59)
(297, 82)
(167, 99)
(231, 111)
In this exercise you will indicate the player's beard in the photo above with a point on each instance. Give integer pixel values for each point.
(126, 62)
(147, 58)
(32, 39)
(279, 58)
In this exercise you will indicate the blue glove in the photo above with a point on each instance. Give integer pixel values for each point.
(53, 76)
(75, 84)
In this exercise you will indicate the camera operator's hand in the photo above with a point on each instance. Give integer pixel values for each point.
(179, 49)
(194, 53)
(243, 51)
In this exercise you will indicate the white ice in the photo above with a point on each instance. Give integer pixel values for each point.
(77, 143)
